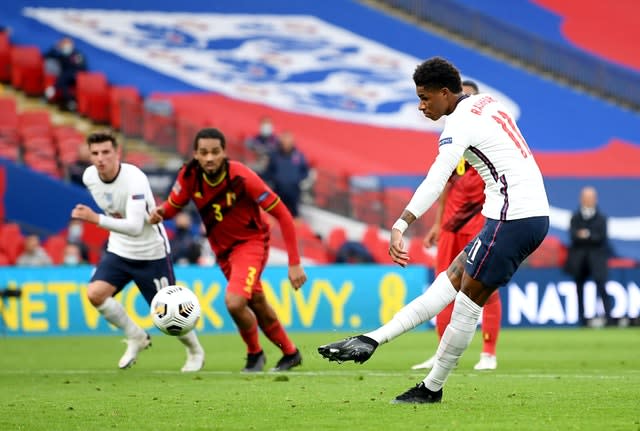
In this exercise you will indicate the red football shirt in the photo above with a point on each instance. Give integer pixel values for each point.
(229, 206)
(464, 201)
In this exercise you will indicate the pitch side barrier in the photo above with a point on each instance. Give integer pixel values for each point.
(52, 300)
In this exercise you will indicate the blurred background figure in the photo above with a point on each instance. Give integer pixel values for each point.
(589, 252)
(34, 254)
(287, 168)
(73, 255)
(263, 143)
(353, 252)
(75, 230)
(64, 61)
(76, 169)
(185, 244)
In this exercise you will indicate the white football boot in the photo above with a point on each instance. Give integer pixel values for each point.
(195, 361)
(487, 362)
(428, 364)
(134, 346)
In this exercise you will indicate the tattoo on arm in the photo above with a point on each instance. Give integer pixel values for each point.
(408, 217)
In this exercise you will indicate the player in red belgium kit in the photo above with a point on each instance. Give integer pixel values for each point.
(458, 221)
(232, 201)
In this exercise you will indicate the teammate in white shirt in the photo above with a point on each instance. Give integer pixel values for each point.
(480, 129)
(136, 250)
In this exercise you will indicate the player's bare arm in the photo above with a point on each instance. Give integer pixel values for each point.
(396, 244)
(297, 276)
(83, 212)
(157, 215)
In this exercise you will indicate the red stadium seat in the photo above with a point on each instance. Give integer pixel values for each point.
(9, 120)
(42, 163)
(35, 123)
(375, 244)
(54, 246)
(4, 259)
(27, 69)
(68, 149)
(159, 123)
(5, 57)
(39, 146)
(131, 118)
(119, 96)
(315, 251)
(418, 253)
(8, 150)
(92, 95)
(337, 236)
(552, 253)
(11, 241)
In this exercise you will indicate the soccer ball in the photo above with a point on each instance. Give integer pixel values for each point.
(175, 310)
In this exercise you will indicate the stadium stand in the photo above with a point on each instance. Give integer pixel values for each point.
(167, 121)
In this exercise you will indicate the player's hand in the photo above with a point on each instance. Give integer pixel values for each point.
(156, 216)
(297, 276)
(83, 212)
(396, 248)
(431, 238)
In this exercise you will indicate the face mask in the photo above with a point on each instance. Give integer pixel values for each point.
(71, 259)
(266, 129)
(66, 49)
(75, 232)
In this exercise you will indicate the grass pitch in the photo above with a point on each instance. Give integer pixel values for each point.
(568, 379)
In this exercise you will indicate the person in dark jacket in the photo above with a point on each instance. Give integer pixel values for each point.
(64, 61)
(287, 168)
(589, 251)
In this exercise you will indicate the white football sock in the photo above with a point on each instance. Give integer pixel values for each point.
(423, 308)
(190, 340)
(114, 312)
(455, 340)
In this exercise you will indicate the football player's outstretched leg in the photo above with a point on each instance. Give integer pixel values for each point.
(357, 349)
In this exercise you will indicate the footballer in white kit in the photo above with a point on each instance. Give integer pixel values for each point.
(136, 250)
(480, 129)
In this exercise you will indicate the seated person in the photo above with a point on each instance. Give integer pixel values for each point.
(34, 254)
(72, 255)
(353, 252)
(64, 61)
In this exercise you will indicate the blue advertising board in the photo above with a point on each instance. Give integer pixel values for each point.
(337, 297)
(54, 302)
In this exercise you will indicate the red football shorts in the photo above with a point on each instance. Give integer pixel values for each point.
(450, 244)
(243, 266)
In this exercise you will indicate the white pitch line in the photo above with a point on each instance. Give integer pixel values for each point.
(597, 374)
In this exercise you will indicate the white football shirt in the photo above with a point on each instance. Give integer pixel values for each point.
(481, 130)
(127, 202)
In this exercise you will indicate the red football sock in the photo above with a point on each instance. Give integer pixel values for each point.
(491, 316)
(279, 337)
(443, 318)
(251, 339)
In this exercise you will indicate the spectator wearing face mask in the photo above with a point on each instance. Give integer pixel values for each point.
(286, 169)
(72, 255)
(64, 61)
(262, 144)
(74, 236)
(185, 245)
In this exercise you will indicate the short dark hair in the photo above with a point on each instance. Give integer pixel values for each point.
(436, 73)
(209, 133)
(102, 136)
(472, 84)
